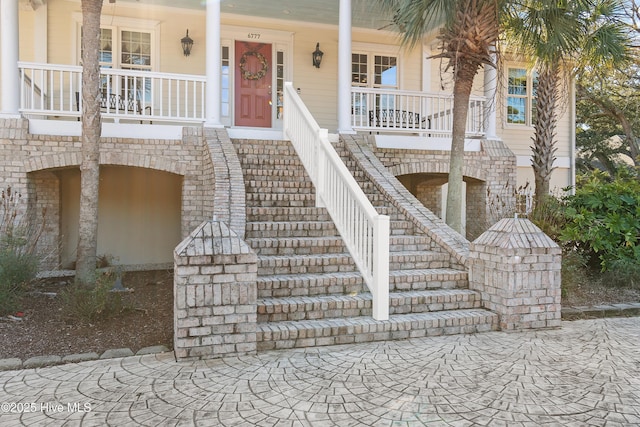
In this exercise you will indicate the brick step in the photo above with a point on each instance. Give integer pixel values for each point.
(297, 246)
(258, 229)
(281, 200)
(263, 163)
(260, 174)
(279, 187)
(265, 151)
(250, 147)
(329, 244)
(336, 306)
(311, 333)
(418, 260)
(428, 278)
(287, 285)
(399, 227)
(309, 228)
(409, 243)
(339, 262)
(263, 214)
(305, 264)
(285, 213)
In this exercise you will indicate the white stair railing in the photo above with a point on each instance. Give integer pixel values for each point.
(364, 231)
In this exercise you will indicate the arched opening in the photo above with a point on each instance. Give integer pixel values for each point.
(139, 213)
(431, 190)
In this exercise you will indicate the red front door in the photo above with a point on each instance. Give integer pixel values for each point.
(253, 84)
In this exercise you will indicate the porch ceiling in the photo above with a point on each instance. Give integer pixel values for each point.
(364, 15)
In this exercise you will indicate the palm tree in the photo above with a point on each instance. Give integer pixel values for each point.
(468, 37)
(91, 129)
(561, 37)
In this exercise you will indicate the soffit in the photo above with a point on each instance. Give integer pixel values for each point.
(364, 13)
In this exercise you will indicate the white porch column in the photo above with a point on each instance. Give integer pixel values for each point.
(344, 68)
(491, 94)
(10, 102)
(213, 65)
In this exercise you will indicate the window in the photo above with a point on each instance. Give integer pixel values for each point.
(374, 71)
(226, 82)
(127, 50)
(280, 83)
(383, 72)
(521, 93)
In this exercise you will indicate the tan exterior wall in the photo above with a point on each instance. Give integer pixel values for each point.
(139, 214)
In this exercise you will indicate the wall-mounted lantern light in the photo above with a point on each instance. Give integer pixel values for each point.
(187, 44)
(317, 56)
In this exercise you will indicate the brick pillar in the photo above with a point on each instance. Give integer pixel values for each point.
(215, 294)
(516, 269)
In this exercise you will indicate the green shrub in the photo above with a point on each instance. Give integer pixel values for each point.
(623, 273)
(603, 219)
(94, 302)
(16, 271)
(549, 217)
(575, 272)
(18, 260)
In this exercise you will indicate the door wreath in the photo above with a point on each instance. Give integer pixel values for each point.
(248, 75)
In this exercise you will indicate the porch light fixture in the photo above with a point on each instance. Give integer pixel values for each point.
(187, 44)
(317, 56)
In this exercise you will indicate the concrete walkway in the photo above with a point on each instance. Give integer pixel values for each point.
(587, 373)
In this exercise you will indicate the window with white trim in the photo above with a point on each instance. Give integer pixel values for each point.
(126, 49)
(521, 96)
(226, 83)
(369, 70)
(374, 71)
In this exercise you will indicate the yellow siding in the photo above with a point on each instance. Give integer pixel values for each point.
(26, 25)
(61, 32)
(318, 87)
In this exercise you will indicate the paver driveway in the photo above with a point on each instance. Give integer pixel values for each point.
(587, 373)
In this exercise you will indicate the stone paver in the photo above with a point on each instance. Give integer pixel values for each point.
(587, 373)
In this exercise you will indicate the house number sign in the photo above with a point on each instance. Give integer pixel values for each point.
(253, 35)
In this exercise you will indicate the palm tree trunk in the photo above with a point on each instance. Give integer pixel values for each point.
(545, 130)
(91, 128)
(462, 86)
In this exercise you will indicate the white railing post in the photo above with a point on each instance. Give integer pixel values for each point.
(381, 268)
(323, 134)
(364, 231)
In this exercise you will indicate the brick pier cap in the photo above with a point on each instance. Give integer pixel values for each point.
(215, 294)
(516, 268)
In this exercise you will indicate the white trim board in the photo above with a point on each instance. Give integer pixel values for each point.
(407, 142)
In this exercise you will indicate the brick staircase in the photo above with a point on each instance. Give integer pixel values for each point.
(310, 292)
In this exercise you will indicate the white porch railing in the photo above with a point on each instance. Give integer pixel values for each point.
(384, 110)
(54, 90)
(365, 232)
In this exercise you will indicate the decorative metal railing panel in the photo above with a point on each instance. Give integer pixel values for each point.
(384, 110)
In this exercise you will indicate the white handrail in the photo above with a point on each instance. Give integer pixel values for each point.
(137, 94)
(364, 231)
(391, 110)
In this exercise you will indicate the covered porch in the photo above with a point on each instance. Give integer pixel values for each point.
(51, 93)
(48, 93)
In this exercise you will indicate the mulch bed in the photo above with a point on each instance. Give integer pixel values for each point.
(42, 327)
